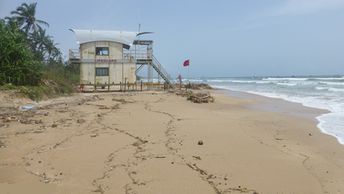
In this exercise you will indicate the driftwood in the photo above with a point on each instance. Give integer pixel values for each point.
(201, 97)
(183, 93)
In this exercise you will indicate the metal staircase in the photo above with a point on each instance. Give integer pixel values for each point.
(161, 71)
(74, 56)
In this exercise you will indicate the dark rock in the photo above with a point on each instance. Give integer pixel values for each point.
(197, 157)
(80, 121)
(38, 121)
(93, 135)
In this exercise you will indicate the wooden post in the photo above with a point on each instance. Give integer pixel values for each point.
(141, 85)
(82, 87)
(125, 84)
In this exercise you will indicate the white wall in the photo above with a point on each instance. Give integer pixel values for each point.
(117, 70)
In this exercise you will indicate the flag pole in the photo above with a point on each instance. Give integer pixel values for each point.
(189, 74)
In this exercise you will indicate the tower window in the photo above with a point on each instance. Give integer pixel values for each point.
(102, 71)
(102, 51)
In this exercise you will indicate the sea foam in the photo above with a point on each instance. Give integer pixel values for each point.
(316, 92)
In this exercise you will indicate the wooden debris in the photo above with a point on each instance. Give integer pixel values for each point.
(202, 97)
(103, 107)
(11, 118)
(122, 100)
(199, 97)
(197, 157)
(80, 121)
(183, 93)
(115, 106)
(94, 135)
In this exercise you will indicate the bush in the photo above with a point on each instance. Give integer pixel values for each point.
(17, 63)
(45, 91)
(33, 92)
(8, 87)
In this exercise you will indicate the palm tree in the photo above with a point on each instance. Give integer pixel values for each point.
(38, 39)
(56, 55)
(41, 44)
(11, 21)
(24, 15)
(51, 49)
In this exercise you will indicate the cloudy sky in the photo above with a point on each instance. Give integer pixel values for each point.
(221, 37)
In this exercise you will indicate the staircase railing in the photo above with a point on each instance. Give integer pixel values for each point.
(161, 71)
(74, 54)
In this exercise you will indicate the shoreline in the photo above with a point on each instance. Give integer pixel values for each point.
(149, 143)
(308, 112)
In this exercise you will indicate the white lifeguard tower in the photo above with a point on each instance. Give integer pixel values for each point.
(111, 60)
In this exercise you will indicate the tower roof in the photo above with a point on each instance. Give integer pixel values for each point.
(123, 37)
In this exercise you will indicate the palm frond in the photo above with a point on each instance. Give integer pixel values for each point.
(43, 22)
(15, 12)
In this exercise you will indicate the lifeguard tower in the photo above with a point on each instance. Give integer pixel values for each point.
(112, 60)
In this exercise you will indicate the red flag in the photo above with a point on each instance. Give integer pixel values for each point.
(186, 63)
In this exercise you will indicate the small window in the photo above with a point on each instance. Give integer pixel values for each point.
(102, 51)
(102, 71)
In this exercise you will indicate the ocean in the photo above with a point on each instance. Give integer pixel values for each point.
(324, 92)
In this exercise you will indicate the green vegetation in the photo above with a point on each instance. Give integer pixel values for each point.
(30, 61)
(17, 63)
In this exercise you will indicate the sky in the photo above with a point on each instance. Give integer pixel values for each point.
(220, 37)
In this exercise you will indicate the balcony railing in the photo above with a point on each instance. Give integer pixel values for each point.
(128, 55)
(74, 54)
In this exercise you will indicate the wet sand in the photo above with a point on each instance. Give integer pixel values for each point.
(161, 143)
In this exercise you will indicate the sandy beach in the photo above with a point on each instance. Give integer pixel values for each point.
(155, 142)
